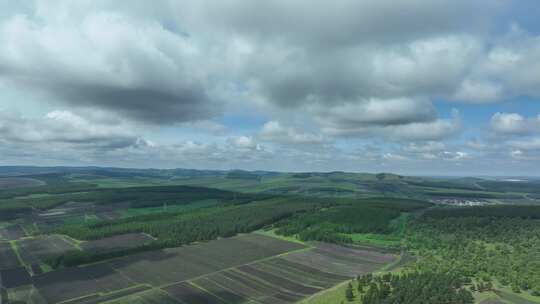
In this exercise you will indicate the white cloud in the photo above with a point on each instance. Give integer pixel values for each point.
(477, 145)
(207, 126)
(393, 157)
(245, 142)
(273, 131)
(481, 91)
(530, 144)
(435, 129)
(171, 81)
(380, 112)
(425, 147)
(509, 67)
(110, 61)
(65, 127)
(455, 155)
(514, 124)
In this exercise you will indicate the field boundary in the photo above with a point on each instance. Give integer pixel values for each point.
(15, 249)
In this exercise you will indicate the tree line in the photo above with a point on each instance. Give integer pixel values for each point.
(409, 287)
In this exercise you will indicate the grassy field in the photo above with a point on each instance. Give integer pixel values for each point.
(379, 240)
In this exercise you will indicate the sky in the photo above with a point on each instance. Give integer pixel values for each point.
(417, 87)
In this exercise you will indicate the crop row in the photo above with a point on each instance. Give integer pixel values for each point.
(279, 280)
(158, 268)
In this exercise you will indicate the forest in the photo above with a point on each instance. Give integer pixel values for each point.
(335, 224)
(311, 219)
(176, 229)
(137, 197)
(486, 244)
(412, 287)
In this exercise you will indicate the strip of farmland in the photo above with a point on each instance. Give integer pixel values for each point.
(282, 280)
(8, 258)
(14, 277)
(341, 260)
(250, 268)
(159, 268)
(37, 250)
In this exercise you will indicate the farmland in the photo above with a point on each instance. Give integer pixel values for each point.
(37, 250)
(186, 236)
(8, 258)
(249, 267)
(15, 182)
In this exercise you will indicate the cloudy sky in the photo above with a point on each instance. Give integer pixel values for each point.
(407, 86)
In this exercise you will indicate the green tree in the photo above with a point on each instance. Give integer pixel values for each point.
(349, 293)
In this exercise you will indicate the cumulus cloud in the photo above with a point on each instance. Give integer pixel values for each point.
(401, 119)
(65, 127)
(348, 22)
(514, 124)
(320, 78)
(425, 147)
(244, 143)
(526, 144)
(434, 150)
(110, 61)
(433, 130)
(527, 154)
(381, 112)
(479, 91)
(509, 67)
(273, 131)
(65, 137)
(171, 62)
